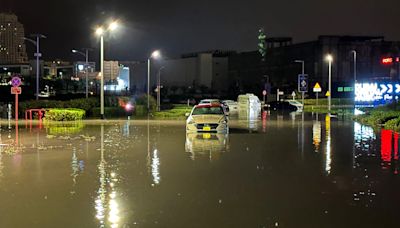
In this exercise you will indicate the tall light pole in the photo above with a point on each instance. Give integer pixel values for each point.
(354, 73)
(354, 52)
(329, 58)
(156, 54)
(86, 55)
(302, 72)
(100, 31)
(159, 89)
(37, 55)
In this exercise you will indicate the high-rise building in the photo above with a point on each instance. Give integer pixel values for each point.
(12, 46)
(111, 70)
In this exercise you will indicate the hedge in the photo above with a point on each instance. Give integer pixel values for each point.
(64, 114)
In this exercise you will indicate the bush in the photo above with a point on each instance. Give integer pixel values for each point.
(82, 103)
(64, 114)
(142, 100)
(393, 124)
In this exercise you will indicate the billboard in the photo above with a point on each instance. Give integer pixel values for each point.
(376, 93)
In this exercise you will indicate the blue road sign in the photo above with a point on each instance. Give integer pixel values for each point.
(302, 83)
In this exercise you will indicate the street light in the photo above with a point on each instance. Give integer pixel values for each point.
(86, 55)
(37, 55)
(156, 54)
(100, 31)
(159, 89)
(329, 58)
(302, 72)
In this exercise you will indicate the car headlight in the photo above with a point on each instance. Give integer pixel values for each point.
(190, 121)
(223, 121)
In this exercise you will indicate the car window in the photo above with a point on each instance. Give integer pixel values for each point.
(208, 111)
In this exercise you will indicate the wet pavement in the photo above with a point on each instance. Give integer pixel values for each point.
(282, 171)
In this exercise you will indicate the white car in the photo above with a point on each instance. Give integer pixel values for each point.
(298, 105)
(207, 118)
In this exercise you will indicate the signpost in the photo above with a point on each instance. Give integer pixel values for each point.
(317, 89)
(302, 84)
(278, 93)
(15, 89)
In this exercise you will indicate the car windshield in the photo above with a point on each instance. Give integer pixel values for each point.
(208, 111)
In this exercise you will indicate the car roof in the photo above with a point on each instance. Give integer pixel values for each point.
(207, 105)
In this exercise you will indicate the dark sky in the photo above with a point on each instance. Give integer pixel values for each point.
(182, 26)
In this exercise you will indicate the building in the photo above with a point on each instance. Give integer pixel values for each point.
(248, 73)
(206, 70)
(111, 71)
(12, 46)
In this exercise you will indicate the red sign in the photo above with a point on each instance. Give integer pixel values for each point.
(387, 60)
(16, 90)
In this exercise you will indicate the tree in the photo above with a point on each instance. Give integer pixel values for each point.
(261, 43)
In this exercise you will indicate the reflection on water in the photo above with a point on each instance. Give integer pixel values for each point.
(155, 167)
(136, 172)
(206, 144)
(106, 202)
(328, 158)
(316, 134)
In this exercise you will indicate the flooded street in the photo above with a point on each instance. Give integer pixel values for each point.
(282, 171)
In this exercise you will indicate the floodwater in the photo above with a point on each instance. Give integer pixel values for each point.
(282, 171)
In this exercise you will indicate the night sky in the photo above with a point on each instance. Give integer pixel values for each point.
(182, 26)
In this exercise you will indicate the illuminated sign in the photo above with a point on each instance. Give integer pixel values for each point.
(390, 60)
(376, 93)
(387, 60)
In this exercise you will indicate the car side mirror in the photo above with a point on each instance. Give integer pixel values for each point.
(187, 114)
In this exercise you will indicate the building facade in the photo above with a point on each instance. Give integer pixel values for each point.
(12, 46)
(248, 73)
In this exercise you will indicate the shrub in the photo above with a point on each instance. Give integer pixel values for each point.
(64, 114)
(142, 100)
(393, 124)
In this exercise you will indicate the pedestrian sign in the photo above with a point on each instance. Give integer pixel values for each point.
(317, 88)
(328, 94)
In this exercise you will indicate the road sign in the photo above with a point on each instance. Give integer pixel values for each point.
(328, 94)
(15, 81)
(264, 92)
(16, 90)
(302, 83)
(293, 95)
(317, 88)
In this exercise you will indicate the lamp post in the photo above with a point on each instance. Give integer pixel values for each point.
(100, 32)
(37, 55)
(156, 54)
(159, 89)
(354, 52)
(302, 72)
(86, 55)
(329, 58)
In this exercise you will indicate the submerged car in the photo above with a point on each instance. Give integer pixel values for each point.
(282, 106)
(207, 118)
(216, 101)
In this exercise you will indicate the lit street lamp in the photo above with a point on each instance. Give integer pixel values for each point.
(86, 55)
(329, 58)
(302, 72)
(37, 55)
(156, 54)
(100, 31)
